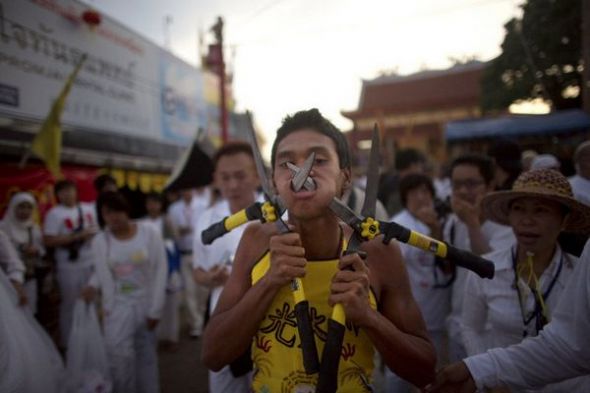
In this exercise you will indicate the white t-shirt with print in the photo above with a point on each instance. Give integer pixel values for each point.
(63, 220)
(132, 270)
(435, 303)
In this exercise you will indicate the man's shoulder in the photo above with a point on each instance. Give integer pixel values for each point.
(403, 218)
(256, 237)
(57, 212)
(213, 214)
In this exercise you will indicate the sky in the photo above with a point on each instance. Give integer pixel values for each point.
(289, 55)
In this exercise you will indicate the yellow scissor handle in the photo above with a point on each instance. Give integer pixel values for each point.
(269, 213)
(235, 220)
(427, 243)
(369, 228)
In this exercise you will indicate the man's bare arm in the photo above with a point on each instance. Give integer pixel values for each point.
(242, 306)
(397, 329)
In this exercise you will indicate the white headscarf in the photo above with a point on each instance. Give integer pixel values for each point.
(17, 230)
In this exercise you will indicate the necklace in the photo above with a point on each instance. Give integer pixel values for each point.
(540, 313)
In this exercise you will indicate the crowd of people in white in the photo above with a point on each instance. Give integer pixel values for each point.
(135, 274)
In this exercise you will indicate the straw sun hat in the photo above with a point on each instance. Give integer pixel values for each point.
(544, 184)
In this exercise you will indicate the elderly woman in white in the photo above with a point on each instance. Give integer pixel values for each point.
(532, 274)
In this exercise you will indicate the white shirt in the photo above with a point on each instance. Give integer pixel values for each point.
(156, 223)
(63, 220)
(560, 351)
(132, 270)
(581, 188)
(435, 303)
(184, 215)
(496, 301)
(221, 251)
(455, 232)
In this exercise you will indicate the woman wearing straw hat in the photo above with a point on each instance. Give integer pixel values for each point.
(532, 274)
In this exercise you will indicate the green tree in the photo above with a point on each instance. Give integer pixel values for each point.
(541, 57)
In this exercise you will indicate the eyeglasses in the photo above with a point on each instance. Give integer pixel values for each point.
(470, 184)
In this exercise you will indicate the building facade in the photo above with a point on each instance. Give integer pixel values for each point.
(412, 110)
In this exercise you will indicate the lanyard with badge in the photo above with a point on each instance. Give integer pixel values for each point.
(540, 313)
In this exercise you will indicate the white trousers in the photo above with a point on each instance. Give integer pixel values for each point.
(131, 349)
(71, 278)
(195, 296)
(169, 325)
(223, 381)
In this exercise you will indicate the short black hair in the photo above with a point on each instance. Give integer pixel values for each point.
(313, 119)
(114, 201)
(411, 182)
(484, 164)
(507, 155)
(154, 196)
(232, 148)
(102, 180)
(404, 158)
(62, 185)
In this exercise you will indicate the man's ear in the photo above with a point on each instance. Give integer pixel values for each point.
(272, 181)
(346, 180)
(215, 181)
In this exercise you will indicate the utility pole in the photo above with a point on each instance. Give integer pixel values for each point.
(586, 56)
(167, 23)
(217, 30)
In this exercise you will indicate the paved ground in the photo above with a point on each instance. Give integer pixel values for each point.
(181, 371)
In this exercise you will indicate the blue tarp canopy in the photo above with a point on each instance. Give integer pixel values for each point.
(518, 125)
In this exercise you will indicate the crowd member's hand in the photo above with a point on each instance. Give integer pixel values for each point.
(454, 378)
(30, 250)
(86, 233)
(350, 287)
(20, 291)
(183, 231)
(219, 275)
(428, 216)
(287, 259)
(88, 294)
(152, 323)
(467, 212)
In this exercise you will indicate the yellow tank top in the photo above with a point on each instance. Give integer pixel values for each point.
(276, 352)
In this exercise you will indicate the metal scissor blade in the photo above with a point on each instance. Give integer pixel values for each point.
(345, 213)
(260, 168)
(309, 183)
(368, 209)
(301, 176)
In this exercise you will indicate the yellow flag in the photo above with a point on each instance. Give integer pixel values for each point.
(47, 142)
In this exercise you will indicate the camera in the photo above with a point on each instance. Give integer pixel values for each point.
(74, 247)
(442, 207)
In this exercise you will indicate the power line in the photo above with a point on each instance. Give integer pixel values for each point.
(336, 28)
(260, 11)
